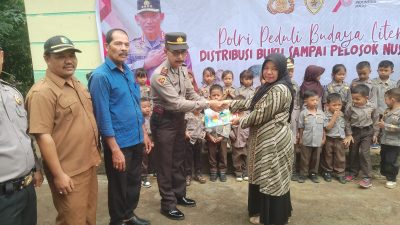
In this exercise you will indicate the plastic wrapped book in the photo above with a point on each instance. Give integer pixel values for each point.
(214, 119)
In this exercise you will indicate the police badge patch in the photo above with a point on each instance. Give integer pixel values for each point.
(280, 6)
(314, 5)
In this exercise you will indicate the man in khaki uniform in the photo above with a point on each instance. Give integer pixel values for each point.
(61, 118)
(173, 95)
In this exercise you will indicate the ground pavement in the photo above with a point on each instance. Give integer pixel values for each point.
(225, 204)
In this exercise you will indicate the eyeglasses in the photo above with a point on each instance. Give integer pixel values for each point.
(178, 53)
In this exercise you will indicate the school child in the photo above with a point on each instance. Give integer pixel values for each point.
(246, 88)
(311, 81)
(337, 85)
(208, 80)
(195, 134)
(229, 90)
(383, 83)
(147, 157)
(239, 137)
(294, 116)
(311, 136)
(141, 78)
(390, 137)
(217, 139)
(360, 118)
(333, 160)
(363, 71)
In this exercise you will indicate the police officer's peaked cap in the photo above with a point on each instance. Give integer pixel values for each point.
(59, 43)
(176, 41)
(148, 6)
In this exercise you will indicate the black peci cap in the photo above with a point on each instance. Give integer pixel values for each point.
(59, 43)
(176, 41)
(148, 6)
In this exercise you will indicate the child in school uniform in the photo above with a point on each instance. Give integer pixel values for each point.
(390, 137)
(208, 80)
(333, 160)
(217, 139)
(246, 88)
(363, 71)
(147, 156)
(383, 83)
(141, 78)
(311, 81)
(311, 126)
(337, 85)
(239, 137)
(229, 90)
(295, 115)
(361, 118)
(195, 134)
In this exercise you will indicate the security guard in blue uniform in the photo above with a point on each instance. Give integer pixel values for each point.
(17, 160)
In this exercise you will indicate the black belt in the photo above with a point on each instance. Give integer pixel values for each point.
(361, 128)
(14, 185)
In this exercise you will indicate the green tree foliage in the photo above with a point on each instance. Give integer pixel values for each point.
(14, 40)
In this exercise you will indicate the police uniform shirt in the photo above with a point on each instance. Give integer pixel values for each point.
(16, 154)
(380, 88)
(172, 90)
(360, 117)
(391, 131)
(313, 127)
(247, 92)
(337, 131)
(342, 89)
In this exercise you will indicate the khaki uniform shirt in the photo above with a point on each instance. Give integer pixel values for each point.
(64, 110)
(372, 91)
(342, 89)
(239, 136)
(361, 117)
(16, 154)
(172, 90)
(391, 131)
(337, 131)
(195, 126)
(313, 127)
(247, 92)
(380, 88)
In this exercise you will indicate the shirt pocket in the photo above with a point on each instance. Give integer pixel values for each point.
(68, 108)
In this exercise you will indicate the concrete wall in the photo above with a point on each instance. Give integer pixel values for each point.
(75, 19)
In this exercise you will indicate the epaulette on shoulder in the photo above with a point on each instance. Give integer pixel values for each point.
(6, 83)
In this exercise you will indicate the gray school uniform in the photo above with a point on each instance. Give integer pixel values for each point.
(205, 91)
(296, 110)
(337, 131)
(343, 89)
(247, 92)
(313, 127)
(231, 90)
(372, 91)
(195, 127)
(220, 131)
(361, 117)
(147, 125)
(380, 88)
(145, 91)
(391, 131)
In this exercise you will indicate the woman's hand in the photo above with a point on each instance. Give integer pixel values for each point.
(235, 120)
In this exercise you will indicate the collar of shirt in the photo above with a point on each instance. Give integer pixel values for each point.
(319, 112)
(334, 83)
(59, 81)
(113, 66)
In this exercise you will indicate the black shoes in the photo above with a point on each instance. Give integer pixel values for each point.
(186, 202)
(222, 177)
(314, 178)
(301, 179)
(213, 176)
(327, 176)
(135, 220)
(173, 214)
(342, 179)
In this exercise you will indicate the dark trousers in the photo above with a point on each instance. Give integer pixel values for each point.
(360, 158)
(147, 163)
(239, 158)
(309, 160)
(19, 208)
(123, 187)
(390, 161)
(169, 153)
(193, 158)
(334, 156)
(218, 156)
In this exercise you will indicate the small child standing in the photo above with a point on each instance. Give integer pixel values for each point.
(217, 139)
(229, 90)
(194, 141)
(360, 117)
(246, 84)
(333, 154)
(338, 85)
(141, 78)
(147, 156)
(382, 84)
(363, 71)
(208, 80)
(390, 142)
(239, 137)
(311, 136)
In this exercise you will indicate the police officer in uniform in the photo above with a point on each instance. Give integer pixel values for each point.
(17, 160)
(173, 95)
(147, 51)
